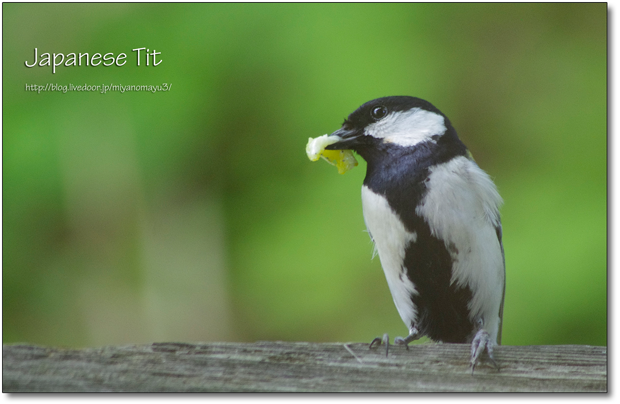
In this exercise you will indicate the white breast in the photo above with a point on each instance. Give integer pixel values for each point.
(391, 239)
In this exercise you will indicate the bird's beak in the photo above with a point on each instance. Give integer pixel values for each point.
(348, 139)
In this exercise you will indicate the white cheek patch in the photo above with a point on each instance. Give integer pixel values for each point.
(408, 128)
(391, 240)
(461, 208)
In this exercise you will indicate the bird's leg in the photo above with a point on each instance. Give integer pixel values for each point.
(482, 342)
(413, 335)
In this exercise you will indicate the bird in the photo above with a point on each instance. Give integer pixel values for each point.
(433, 216)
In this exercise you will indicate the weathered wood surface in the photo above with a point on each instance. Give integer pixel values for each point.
(299, 366)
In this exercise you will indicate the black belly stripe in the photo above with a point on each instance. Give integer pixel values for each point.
(442, 309)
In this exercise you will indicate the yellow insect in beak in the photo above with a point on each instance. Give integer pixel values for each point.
(344, 160)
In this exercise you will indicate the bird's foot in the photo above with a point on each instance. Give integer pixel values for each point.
(482, 343)
(397, 341)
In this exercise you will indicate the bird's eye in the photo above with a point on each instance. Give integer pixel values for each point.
(378, 112)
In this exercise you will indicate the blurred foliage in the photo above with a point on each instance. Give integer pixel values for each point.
(194, 214)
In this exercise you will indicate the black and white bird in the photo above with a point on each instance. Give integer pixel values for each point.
(433, 216)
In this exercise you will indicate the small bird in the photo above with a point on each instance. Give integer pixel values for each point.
(433, 216)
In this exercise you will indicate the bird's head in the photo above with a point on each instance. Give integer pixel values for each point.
(391, 122)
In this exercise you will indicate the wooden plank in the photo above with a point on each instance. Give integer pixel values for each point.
(300, 366)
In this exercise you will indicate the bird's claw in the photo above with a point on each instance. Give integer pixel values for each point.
(397, 341)
(482, 343)
(378, 341)
(401, 341)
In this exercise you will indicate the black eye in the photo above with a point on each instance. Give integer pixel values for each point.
(378, 112)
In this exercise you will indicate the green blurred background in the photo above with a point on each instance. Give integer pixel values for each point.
(194, 214)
